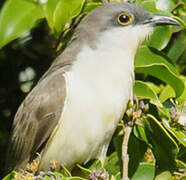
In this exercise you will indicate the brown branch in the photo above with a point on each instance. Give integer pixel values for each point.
(136, 112)
(125, 156)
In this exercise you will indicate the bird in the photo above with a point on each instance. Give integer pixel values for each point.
(72, 112)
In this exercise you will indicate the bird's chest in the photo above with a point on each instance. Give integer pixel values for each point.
(98, 88)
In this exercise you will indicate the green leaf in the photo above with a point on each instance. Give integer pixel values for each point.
(181, 156)
(66, 10)
(136, 151)
(49, 8)
(10, 176)
(117, 176)
(145, 171)
(181, 164)
(16, 18)
(167, 92)
(164, 148)
(151, 61)
(144, 90)
(150, 5)
(176, 49)
(154, 87)
(117, 140)
(140, 133)
(165, 175)
(178, 134)
(182, 98)
(160, 37)
(112, 164)
(90, 6)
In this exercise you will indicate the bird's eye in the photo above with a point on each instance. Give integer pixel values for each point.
(124, 19)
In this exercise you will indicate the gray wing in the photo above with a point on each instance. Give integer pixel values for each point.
(35, 120)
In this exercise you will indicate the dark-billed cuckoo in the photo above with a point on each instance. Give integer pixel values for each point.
(72, 112)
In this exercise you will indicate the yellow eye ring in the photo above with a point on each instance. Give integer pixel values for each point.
(124, 19)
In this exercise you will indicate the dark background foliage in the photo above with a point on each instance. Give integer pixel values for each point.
(35, 51)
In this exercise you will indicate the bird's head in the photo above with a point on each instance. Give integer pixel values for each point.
(120, 24)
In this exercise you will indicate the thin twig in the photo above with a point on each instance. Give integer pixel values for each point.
(125, 156)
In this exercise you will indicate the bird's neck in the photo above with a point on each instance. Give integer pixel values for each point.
(107, 60)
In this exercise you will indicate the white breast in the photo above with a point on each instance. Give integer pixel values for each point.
(98, 88)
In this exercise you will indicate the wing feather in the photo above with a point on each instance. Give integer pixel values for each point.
(36, 119)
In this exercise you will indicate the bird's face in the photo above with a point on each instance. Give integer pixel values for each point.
(123, 24)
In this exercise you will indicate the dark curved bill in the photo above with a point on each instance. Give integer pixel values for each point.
(161, 20)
